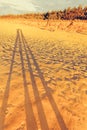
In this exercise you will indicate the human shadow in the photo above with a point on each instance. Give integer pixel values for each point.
(41, 114)
(49, 95)
(30, 118)
(7, 88)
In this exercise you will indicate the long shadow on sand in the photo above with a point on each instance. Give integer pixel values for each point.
(31, 123)
(30, 119)
(50, 97)
(7, 89)
(42, 117)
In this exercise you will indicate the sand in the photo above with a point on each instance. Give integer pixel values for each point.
(43, 76)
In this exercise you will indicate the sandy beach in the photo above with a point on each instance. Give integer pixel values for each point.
(43, 75)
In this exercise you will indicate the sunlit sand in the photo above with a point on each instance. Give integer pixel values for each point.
(43, 75)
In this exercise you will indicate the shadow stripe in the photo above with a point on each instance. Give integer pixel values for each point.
(50, 97)
(7, 89)
(42, 117)
(30, 119)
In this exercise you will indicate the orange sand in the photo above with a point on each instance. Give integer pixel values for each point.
(43, 79)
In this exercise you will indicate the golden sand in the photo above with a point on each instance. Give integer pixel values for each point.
(43, 76)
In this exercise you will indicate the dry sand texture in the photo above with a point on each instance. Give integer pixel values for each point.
(43, 78)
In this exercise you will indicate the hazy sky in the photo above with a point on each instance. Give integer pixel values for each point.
(26, 6)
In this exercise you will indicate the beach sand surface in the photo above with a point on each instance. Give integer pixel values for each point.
(43, 75)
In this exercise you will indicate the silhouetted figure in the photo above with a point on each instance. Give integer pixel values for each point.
(46, 16)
